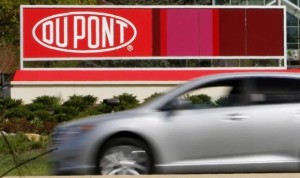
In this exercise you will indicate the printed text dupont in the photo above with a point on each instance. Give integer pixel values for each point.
(84, 32)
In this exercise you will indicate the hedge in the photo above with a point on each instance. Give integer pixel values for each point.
(45, 112)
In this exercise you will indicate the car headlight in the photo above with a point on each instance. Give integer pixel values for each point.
(63, 134)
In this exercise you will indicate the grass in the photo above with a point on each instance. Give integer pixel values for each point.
(24, 150)
(21, 144)
(37, 167)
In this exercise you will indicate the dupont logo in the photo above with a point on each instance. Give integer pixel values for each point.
(85, 32)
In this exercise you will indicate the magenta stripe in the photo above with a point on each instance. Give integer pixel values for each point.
(182, 32)
(205, 32)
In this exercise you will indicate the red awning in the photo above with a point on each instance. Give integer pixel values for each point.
(121, 75)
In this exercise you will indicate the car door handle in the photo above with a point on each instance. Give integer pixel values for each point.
(236, 117)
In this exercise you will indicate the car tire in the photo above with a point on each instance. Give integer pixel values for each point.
(125, 156)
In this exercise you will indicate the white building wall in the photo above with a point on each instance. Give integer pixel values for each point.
(27, 91)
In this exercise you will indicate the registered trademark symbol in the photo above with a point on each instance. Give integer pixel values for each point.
(129, 47)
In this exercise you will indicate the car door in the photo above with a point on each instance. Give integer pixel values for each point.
(209, 136)
(274, 124)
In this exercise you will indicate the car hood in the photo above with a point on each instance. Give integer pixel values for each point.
(103, 117)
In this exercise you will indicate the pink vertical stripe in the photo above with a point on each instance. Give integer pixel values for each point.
(182, 32)
(205, 32)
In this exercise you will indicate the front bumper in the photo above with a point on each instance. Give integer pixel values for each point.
(59, 169)
(70, 163)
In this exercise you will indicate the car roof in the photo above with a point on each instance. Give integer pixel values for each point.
(253, 74)
(221, 76)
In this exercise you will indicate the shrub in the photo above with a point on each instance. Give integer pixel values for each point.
(42, 115)
(49, 102)
(81, 102)
(36, 106)
(151, 97)
(46, 128)
(90, 100)
(25, 126)
(90, 112)
(2, 110)
(104, 108)
(127, 101)
(9, 103)
(199, 99)
(222, 101)
(17, 126)
(69, 110)
(62, 117)
(18, 112)
(37, 122)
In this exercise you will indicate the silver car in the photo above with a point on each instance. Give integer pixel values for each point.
(240, 122)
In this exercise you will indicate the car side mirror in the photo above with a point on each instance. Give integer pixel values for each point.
(177, 104)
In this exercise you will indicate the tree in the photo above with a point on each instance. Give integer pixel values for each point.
(9, 21)
(161, 2)
(103, 2)
(8, 63)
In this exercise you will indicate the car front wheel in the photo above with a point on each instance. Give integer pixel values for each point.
(125, 156)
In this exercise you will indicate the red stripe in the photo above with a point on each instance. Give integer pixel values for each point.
(232, 32)
(156, 32)
(215, 32)
(122, 75)
(163, 32)
(264, 33)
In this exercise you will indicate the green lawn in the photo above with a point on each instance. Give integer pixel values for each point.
(37, 167)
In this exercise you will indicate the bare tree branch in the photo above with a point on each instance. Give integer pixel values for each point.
(8, 63)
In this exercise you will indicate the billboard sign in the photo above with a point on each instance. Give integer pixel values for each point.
(143, 32)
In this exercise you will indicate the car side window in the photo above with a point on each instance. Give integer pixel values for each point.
(223, 93)
(275, 91)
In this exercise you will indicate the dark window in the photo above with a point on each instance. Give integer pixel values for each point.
(292, 45)
(292, 34)
(291, 20)
(216, 94)
(275, 91)
(222, 2)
